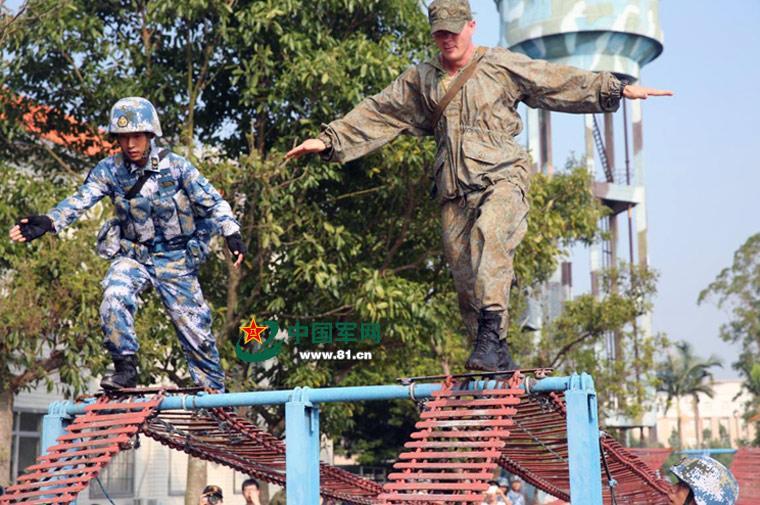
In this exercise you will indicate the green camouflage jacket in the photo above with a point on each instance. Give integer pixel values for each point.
(476, 134)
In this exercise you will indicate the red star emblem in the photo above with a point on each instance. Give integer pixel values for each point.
(253, 331)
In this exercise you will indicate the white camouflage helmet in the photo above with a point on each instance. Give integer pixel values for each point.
(134, 115)
(710, 481)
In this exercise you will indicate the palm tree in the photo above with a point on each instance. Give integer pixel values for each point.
(685, 374)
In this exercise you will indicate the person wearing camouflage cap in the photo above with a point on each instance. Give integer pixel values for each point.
(703, 481)
(481, 173)
(166, 212)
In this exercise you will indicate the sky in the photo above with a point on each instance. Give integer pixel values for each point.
(702, 177)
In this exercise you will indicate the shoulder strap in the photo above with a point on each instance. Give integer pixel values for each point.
(144, 178)
(458, 84)
(138, 185)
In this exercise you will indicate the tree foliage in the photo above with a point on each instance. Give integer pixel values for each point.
(236, 84)
(683, 373)
(737, 289)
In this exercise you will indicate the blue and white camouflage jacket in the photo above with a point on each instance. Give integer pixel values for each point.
(170, 205)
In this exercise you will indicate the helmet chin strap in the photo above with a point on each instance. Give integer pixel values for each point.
(151, 149)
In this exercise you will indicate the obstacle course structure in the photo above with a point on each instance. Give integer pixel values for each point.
(746, 469)
(544, 430)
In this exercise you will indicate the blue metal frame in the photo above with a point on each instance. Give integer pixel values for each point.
(302, 434)
(583, 441)
(706, 451)
(53, 426)
(302, 446)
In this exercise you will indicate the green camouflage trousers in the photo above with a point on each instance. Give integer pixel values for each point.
(480, 234)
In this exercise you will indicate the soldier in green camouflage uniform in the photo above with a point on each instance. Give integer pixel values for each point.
(481, 173)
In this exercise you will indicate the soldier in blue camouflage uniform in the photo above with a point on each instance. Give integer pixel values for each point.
(166, 213)
(703, 481)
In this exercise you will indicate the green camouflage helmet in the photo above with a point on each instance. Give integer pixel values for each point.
(449, 15)
(134, 115)
(710, 481)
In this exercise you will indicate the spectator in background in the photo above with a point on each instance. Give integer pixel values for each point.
(212, 495)
(515, 493)
(251, 492)
(494, 496)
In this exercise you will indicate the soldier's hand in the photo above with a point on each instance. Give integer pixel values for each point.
(236, 247)
(634, 92)
(307, 147)
(30, 228)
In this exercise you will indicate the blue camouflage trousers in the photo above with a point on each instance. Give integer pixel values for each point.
(178, 287)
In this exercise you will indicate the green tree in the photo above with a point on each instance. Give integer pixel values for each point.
(682, 373)
(572, 342)
(737, 288)
(242, 75)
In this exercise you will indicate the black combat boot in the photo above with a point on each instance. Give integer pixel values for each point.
(125, 375)
(506, 362)
(486, 355)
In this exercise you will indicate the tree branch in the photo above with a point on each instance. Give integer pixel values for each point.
(65, 166)
(6, 28)
(406, 220)
(146, 35)
(44, 366)
(566, 348)
(415, 264)
(78, 75)
(343, 310)
(233, 281)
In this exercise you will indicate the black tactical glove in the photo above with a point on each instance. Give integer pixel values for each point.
(235, 245)
(35, 227)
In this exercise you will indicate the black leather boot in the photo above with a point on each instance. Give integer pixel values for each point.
(506, 362)
(125, 375)
(486, 354)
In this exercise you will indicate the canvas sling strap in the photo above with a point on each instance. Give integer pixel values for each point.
(144, 178)
(458, 84)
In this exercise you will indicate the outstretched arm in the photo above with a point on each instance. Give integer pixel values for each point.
(308, 146)
(31, 227)
(95, 187)
(377, 120)
(636, 92)
(564, 88)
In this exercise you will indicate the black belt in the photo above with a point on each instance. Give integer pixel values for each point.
(177, 244)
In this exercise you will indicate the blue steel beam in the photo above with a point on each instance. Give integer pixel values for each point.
(550, 385)
(251, 398)
(706, 452)
(323, 395)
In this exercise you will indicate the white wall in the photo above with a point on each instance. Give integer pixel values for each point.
(725, 408)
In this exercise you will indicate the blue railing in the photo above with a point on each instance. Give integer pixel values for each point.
(302, 425)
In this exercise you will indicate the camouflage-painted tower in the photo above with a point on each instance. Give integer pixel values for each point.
(619, 36)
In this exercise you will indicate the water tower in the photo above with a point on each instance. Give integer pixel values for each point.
(619, 36)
